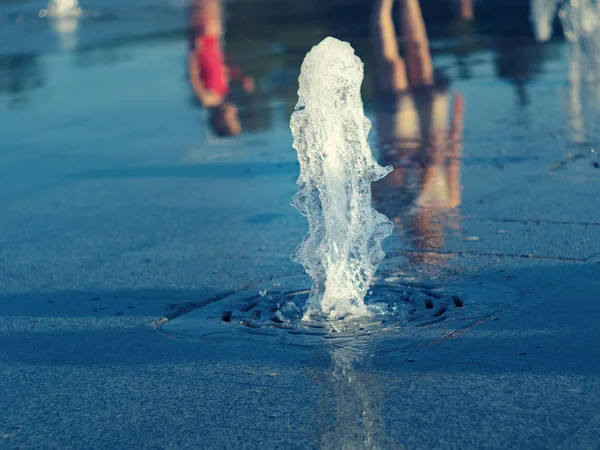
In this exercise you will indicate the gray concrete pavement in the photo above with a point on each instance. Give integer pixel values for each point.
(117, 210)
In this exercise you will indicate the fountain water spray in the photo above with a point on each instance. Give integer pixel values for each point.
(342, 249)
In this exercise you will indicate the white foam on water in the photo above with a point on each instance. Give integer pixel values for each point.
(342, 249)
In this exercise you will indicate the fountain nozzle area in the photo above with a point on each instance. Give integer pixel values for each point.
(342, 249)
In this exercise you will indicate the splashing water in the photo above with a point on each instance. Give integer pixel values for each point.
(342, 249)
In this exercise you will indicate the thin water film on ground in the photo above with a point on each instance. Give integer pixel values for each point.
(146, 281)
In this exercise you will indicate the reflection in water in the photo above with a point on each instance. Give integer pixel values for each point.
(466, 10)
(209, 72)
(66, 30)
(581, 24)
(521, 61)
(542, 14)
(412, 122)
(64, 20)
(519, 65)
(18, 74)
(63, 8)
(463, 30)
(352, 398)
(574, 106)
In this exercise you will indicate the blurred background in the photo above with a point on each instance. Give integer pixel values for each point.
(268, 39)
(130, 130)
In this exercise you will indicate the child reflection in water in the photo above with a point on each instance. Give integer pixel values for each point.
(209, 73)
(413, 129)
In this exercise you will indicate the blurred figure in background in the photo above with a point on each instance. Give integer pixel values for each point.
(209, 73)
(413, 130)
(466, 10)
(542, 14)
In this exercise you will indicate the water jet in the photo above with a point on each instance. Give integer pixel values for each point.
(342, 249)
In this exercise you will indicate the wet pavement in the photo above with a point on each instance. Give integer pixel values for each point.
(121, 211)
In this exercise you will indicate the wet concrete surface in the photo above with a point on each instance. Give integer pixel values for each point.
(119, 207)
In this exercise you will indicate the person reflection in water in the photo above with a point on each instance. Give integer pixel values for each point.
(209, 73)
(413, 130)
(466, 10)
